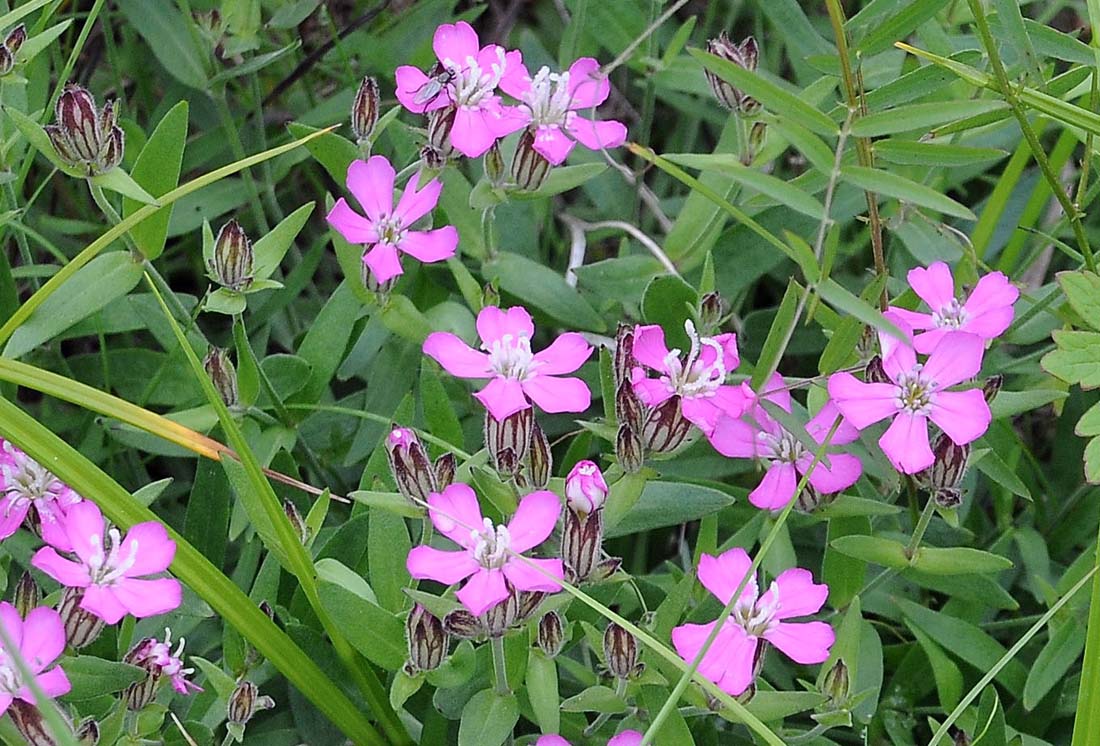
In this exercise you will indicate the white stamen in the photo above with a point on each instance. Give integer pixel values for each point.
(952, 316)
(491, 545)
(469, 84)
(756, 617)
(511, 357)
(107, 566)
(548, 100)
(390, 230)
(692, 378)
(914, 391)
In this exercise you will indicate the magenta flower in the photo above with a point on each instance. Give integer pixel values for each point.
(585, 487)
(730, 661)
(385, 229)
(112, 569)
(25, 483)
(160, 660)
(986, 313)
(468, 79)
(518, 375)
(917, 392)
(488, 557)
(699, 380)
(551, 102)
(39, 640)
(626, 738)
(757, 435)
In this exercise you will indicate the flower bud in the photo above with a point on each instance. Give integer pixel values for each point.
(409, 465)
(624, 362)
(629, 450)
(26, 595)
(364, 110)
(665, 428)
(809, 499)
(757, 135)
(960, 738)
(949, 467)
(540, 461)
(440, 123)
(503, 615)
(837, 684)
(85, 138)
(245, 702)
(82, 627)
(620, 653)
(7, 61)
(231, 266)
(297, 522)
(222, 373)
(382, 289)
(140, 693)
(629, 409)
(992, 387)
(445, 468)
(427, 640)
(585, 488)
(30, 724)
(867, 344)
(581, 542)
(507, 440)
(605, 569)
(875, 372)
(494, 165)
(948, 498)
(711, 310)
(743, 55)
(490, 294)
(464, 625)
(434, 161)
(528, 603)
(15, 39)
(87, 733)
(551, 637)
(529, 167)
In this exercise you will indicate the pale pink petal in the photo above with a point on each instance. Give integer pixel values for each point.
(516, 81)
(410, 83)
(649, 347)
(587, 88)
(735, 438)
(777, 487)
(351, 225)
(553, 740)
(564, 355)
(534, 520)
(383, 262)
(862, 404)
(905, 443)
(523, 577)
(453, 43)
(145, 598)
(12, 623)
(934, 285)
(552, 144)
(722, 574)
(495, 323)
(43, 638)
(491, 55)
(554, 394)
(153, 551)
(956, 358)
(83, 522)
(68, 573)
(430, 246)
(456, 357)
(455, 513)
(12, 514)
(5, 701)
(730, 357)
(803, 643)
(993, 292)
(700, 412)
(484, 589)
(927, 341)
(596, 135)
(990, 324)
(963, 415)
(503, 397)
(822, 422)
(102, 602)
(443, 567)
(53, 683)
(799, 595)
(627, 738)
(650, 391)
(914, 319)
(415, 204)
(731, 400)
(842, 472)
(775, 390)
(372, 184)
(471, 134)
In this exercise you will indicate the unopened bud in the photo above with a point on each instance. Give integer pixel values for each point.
(490, 295)
(949, 467)
(434, 160)
(620, 653)
(837, 684)
(624, 362)
(665, 428)
(551, 637)
(629, 450)
(528, 603)
(410, 466)
(371, 283)
(585, 488)
(507, 440)
(497, 619)
(464, 625)
(445, 468)
(494, 165)
(440, 123)
(948, 497)
(629, 409)
(875, 372)
(364, 110)
(540, 461)
(427, 640)
(711, 310)
(140, 693)
(529, 167)
(867, 344)
(992, 387)
(85, 138)
(15, 38)
(245, 702)
(581, 542)
(32, 727)
(87, 733)
(757, 135)
(743, 55)
(82, 627)
(297, 522)
(7, 61)
(231, 266)
(26, 595)
(223, 375)
(960, 738)
(809, 499)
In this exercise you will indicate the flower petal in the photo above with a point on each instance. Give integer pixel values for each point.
(145, 598)
(722, 574)
(411, 81)
(43, 638)
(564, 355)
(956, 358)
(68, 573)
(650, 391)
(54, 682)
(587, 87)
(495, 323)
(905, 443)
(992, 293)
(102, 602)
(516, 81)
(472, 133)
(12, 514)
(351, 225)
(701, 412)
(934, 285)
(822, 422)
(454, 42)
(596, 134)
(627, 738)
(456, 357)
(862, 404)
(503, 397)
(83, 522)
(552, 144)
(383, 261)
(914, 319)
(430, 246)
(552, 740)
(523, 577)
(372, 184)
(534, 520)
(416, 203)
(153, 550)
(963, 415)
(735, 438)
(805, 643)
(649, 347)
(554, 394)
(777, 487)
(443, 567)
(799, 595)
(455, 513)
(842, 472)
(12, 623)
(484, 589)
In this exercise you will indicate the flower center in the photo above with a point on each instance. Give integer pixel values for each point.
(548, 99)
(108, 565)
(951, 316)
(491, 545)
(170, 663)
(692, 377)
(781, 447)
(914, 391)
(26, 480)
(757, 617)
(469, 84)
(10, 680)
(511, 357)
(390, 230)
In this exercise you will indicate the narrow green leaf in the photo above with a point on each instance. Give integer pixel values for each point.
(165, 30)
(958, 561)
(1053, 663)
(907, 190)
(913, 153)
(271, 249)
(884, 552)
(836, 295)
(779, 335)
(781, 191)
(898, 25)
(922, 116)
(119, 181)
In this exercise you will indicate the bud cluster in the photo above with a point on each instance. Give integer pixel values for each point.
(519, 449)
(416, 476)
(86, 138)
(513, 611)
(10, 47)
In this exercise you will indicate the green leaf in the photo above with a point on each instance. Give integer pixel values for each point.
(958, 561)
(542, 691)
(226, 301)
(990, 463)
(1082, 290)
(913, 153)
(15, 14)
(119, 181)
(949, 679)
(334, 152)
(388, 544)
(923, 116)
(439, 413)
(668, 504)
(1076, 359)
(157, 169)
(898, 25)
(373, 631)
(38, 138)
(837, 296)
(271, 249)
(781, 191)
(1012, 403)
(843, 574)
(778, 337)
(561, 180)
(394, 502)
(1053, 663)
(488, 719)
(248, 368)
(668, 301)
(542, 287)
(884, 552)
(907, 190)
(93, 677)
(595, 699)
(254, 64)
(166, 31)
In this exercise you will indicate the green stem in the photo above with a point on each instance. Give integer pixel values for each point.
(620, 690)
(922, 526)
(488, 233)
(422, 434)
(500, 668)
(1087, 719)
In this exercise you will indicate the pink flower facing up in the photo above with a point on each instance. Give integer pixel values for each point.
(160, 660)
(917, 392)
(550, 102)
(487, 557)
(626, 738)
(756, 434)
(986, 313)
(385, 229)
(469, 77)
(699, 380)
(730, 661)
(111, 569)
(517, 374)
(25, 483)
(39, 640)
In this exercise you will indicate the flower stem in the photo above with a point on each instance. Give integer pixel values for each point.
(488, 233)
(620, 690)
(922, 526)
(499, 667)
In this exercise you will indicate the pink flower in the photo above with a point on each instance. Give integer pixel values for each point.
(111, 568)
(626, 738)
(730, 661)
(517, 374)
(550, 105)
(986, 313)
(160, 660)
(25, 483)
(917, 392)
(39, 641)
(469, 75)
(386, 228)
(757, 435)
(488, 552)
(699, 380)
(585, 488)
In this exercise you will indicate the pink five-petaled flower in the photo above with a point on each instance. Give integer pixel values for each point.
(986, 313)
(488, 557)
(469, 76)
(111, 569)
(730, 661)
(39, 640)
(917, 392)
(626, 738)
(24, 483)
(517, 374)
(386, 228)
(699, 380)
(551, 102)
(756, 434)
